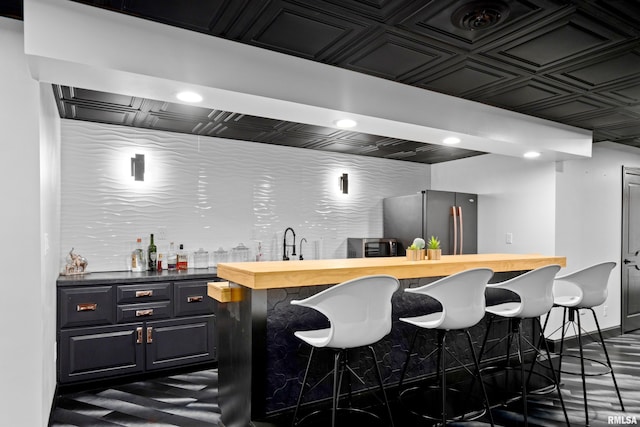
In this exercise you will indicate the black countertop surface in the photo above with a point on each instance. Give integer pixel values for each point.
(114, 277)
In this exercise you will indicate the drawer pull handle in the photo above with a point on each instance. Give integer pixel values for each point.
(88, 306)
(149, 334)
(139, 335)
(141, 313)
(140, 294)
(197, 298)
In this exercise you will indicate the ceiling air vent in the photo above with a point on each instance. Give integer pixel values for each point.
(480, 15)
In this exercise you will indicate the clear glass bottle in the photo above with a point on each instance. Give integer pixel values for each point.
(183, 259)
(137, 257)
(152, 254)
(172, 257)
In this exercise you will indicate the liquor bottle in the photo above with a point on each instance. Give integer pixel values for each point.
(152, 254)
(183, 259)
(172, 257)
(137, 257)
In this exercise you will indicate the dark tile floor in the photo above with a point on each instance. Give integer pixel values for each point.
(190, 399)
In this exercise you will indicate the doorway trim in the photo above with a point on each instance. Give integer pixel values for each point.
(628, 321)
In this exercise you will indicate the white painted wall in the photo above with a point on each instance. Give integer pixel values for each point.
(209, 192)
(27, 303)
(50, 237)
(514, 196)
(589, 218)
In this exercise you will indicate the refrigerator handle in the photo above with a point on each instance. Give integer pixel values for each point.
(455, 229)
(461, 228)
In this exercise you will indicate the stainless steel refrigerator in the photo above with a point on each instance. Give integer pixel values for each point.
(451, 217)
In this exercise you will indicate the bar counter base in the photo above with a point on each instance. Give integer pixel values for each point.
(241, 361)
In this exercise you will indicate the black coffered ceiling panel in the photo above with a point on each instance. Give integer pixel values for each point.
(609, 70)
(572, 61)
(151, 114)
(624, 132)
(607, 120)
(572, 107)
(466, 78)
(626, 94)
(299, 32)
(197, 15)
(91, 114)
(525, 93)
(557, 41)
(394, 56)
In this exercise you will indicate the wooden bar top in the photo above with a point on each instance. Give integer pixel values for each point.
(285, 274)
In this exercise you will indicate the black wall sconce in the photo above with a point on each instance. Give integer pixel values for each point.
(344, 183)
(137, 167)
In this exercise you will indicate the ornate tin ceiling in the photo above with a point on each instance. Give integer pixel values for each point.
(575, 62)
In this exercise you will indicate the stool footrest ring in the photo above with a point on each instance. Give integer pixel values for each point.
(424, 402)
(346, 417)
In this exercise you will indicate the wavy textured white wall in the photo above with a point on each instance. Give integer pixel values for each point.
(210, 192)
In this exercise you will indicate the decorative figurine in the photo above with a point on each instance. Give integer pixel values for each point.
(76, 264)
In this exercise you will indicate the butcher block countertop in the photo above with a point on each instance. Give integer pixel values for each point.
(285, 274)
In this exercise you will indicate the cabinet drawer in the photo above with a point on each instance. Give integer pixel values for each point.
(86, 306)
(146, 311)
(144, 292)
(190, 298)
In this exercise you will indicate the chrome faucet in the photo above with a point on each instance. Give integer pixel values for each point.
(301, 240)
(285, 255)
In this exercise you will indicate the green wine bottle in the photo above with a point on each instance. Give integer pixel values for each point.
(152, 255)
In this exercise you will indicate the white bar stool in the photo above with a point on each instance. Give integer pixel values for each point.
(359, 314)
(584, 289)
(462, 296)
(535, 295)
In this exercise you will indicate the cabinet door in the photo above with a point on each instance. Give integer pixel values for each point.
(180, 342)
(100, 352)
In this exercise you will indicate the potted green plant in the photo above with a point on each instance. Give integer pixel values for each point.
(433, 248)
(416, 251)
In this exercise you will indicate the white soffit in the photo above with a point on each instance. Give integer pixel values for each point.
(72, 44)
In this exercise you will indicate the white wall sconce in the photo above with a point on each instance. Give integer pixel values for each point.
(137, 167)
(344, 183)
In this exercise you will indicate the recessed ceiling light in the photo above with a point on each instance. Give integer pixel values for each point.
(452, 140)
(345, 123)
(189, 96)
(531, 154)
